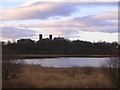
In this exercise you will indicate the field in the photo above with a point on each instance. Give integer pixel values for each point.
(74, 77)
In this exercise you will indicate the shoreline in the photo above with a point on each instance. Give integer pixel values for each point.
(38, 56)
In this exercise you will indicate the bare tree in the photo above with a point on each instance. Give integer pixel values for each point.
(11, 69)
(112, 70)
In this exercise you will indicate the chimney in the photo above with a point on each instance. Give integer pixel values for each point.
(50, 36)
(40, 36)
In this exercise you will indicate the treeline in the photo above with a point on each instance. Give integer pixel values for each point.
(28, 46)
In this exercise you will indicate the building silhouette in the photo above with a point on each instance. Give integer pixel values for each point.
(40, 36)
(59, 38)
(50, 37)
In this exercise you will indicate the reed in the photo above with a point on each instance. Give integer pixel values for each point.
(73, 77)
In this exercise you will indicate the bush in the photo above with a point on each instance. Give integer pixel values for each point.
(112, 70)
(11, 69)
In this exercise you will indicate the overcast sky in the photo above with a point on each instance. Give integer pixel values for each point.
(89, 21)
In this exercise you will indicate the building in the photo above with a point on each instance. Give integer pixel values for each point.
(59, 38)
(40, 36)
(50, 36)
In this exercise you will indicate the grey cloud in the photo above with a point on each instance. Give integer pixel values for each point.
(105, 29)
(40, 10)
(99, 19)
(101, 24)
(13, 32)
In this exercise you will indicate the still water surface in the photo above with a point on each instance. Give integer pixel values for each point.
(67, 62)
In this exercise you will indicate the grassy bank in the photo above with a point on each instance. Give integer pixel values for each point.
(33, 56)
(74, 77)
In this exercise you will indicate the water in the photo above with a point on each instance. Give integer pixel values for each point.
(66, 62)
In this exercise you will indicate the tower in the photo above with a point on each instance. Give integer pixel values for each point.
(50, 36)
(40, 36)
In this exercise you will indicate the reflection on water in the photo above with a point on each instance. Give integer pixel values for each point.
(66, 62)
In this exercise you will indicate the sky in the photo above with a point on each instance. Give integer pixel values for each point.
(95, 20)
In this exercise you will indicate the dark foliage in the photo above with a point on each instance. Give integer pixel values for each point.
(49, 46)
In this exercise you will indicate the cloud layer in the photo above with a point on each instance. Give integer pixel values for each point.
(41, 10)
(58, 19)
(38, 11)
(15, 32)
(105, 22)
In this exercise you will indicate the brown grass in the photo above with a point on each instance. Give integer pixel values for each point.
(74, 77)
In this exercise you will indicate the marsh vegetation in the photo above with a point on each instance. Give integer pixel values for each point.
(33, 76)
